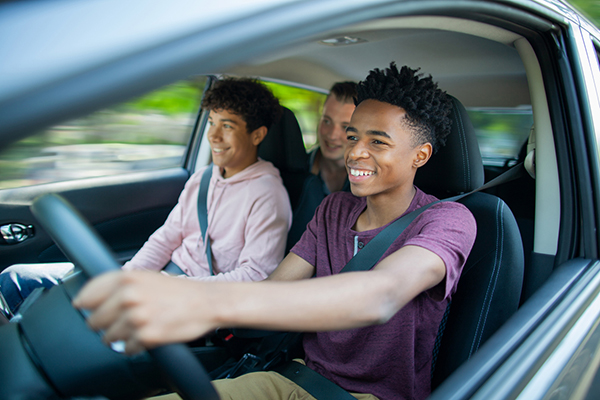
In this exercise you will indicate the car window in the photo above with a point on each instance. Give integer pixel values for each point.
(147, 133)
(306, 105)
(501, 133)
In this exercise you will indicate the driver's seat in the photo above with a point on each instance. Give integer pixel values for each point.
(490, 286)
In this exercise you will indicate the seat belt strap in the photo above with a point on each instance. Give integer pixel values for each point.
(314, 383)
(203, 213)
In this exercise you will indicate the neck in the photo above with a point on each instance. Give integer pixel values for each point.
(384, 208)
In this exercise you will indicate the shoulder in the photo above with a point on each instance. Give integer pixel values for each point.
(339, 206)
(194, 180)
(342, 200)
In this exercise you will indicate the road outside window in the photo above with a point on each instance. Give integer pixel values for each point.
(151, 132)
(501, 133)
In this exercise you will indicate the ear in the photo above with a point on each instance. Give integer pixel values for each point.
(258, 135)
(422, 155)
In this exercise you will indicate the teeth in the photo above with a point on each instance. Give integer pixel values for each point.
(217, 150)
(356, 172)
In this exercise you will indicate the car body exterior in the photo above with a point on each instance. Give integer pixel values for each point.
(62, 59)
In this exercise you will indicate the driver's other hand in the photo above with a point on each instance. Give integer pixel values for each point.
(144, 309)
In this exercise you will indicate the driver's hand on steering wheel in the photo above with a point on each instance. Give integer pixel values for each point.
(146, 309)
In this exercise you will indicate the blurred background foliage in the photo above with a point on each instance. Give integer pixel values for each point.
(591, 8)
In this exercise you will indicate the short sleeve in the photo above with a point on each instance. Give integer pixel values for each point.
(448, 230)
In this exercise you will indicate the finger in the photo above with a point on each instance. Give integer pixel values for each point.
(97, 290)
(108, 313)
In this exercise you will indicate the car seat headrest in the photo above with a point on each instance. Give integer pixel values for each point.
(283, 145)
(457, 167)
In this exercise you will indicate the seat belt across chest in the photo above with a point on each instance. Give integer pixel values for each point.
(203, 213)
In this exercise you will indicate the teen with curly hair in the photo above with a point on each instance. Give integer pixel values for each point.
(371, 332)
(249, 212)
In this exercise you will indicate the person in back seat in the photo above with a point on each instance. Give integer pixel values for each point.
(370, 332)
(249, 212)
(327, 160)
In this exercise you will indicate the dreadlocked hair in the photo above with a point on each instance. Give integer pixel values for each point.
(427, 107)
(246, 97)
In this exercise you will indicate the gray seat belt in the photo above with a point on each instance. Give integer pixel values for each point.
(171, 267)
(203, 213)
(314, 383)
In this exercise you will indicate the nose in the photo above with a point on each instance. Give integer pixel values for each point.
(357, 150)
(339, 133)
(214, 134)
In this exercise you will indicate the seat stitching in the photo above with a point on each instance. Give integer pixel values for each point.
(493, 280)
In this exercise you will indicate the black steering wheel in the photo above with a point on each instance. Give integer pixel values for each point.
(85, 248)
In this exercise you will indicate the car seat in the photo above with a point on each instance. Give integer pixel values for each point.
(490, 286)
(284, 147)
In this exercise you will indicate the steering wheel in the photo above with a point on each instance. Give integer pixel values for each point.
(85, 248)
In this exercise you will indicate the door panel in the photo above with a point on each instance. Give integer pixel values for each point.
(125, 209)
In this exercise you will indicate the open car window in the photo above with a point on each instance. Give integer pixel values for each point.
(147, 133)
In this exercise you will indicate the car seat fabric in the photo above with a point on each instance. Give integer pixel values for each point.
(284, 147)
(456, 167)
(490, 286)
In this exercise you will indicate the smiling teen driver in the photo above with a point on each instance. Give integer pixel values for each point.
(371, 332)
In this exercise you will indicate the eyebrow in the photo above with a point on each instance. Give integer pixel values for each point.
(369, 132)
(226, 120)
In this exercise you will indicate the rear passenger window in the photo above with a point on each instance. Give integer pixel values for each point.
(148, 133)
(501, 133)
(306, 105)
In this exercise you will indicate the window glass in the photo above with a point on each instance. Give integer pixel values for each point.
(306, 105)
(147, 133)
(501, 133)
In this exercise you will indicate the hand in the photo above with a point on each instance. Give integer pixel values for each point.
(144, 309)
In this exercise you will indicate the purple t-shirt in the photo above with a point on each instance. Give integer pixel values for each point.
(393, 360)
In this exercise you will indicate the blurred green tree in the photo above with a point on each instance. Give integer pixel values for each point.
(590, 8)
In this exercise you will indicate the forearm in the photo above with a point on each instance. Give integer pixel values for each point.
(332, 303)
(341, 301)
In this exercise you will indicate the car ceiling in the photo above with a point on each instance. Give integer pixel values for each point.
(480, 71)
(475, 62)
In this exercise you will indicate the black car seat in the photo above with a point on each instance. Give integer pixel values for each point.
(284, 147)
(490, 286)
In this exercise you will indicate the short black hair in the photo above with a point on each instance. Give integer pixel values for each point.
(246, 97)
(427, 107)
(344, 92)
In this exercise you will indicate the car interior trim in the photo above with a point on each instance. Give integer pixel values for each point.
(529, 357)
(470, 377)
(546, 228)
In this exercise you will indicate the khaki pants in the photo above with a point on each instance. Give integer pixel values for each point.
(267, 385)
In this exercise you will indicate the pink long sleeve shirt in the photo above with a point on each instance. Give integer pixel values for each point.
(249, 215)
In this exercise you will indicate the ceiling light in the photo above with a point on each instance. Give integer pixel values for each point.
(342, 41)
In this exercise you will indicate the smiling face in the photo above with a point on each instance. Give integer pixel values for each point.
(381, 158)
(332, 128)
(233, 147)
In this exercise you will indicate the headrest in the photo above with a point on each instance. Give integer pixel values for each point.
(283, 145)
(456, 167)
